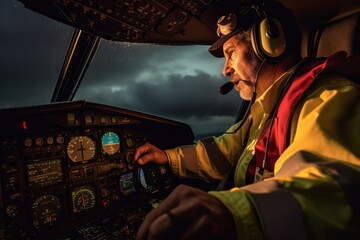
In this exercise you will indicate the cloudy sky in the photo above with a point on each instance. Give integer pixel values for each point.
(180, 83)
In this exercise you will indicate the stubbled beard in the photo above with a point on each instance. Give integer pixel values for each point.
(251, 57)
(254, 61)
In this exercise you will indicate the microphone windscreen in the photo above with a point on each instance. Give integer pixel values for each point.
(226, 88)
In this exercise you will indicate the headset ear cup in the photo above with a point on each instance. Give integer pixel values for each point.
(271, 48)
(255, 42)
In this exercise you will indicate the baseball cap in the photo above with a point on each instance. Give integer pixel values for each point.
(230, 24)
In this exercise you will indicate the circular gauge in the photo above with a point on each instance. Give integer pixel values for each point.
(104, 191)
(28, 142)
(45, 210)
(129, 142)
(39, 141)
(49, 140)
(60, 139)
(83, 198)
(13, 210)
(81, 148)
(110, 142)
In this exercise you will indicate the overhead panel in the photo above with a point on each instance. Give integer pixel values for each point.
(143, 21)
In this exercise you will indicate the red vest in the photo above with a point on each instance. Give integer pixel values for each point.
(278, 129)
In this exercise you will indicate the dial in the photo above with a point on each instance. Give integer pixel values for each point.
(49, 140)
(83, 198)
(110, 143)
(45, 210)
(130, 142)
(81, 148)
(104, 191)
(60, 139)
(13, 209)
(39, 141)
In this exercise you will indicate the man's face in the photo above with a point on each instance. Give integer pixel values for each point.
(241, 66)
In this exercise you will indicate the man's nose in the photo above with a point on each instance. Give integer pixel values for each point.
(227, 70)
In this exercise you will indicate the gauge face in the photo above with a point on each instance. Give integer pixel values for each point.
(81, 148)
(45, 210)
(130, 142)
(110, 142)
(13, 210)
(83, 198)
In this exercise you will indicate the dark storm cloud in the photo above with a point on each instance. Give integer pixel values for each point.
(198, 94)
(189, 96)
(193, 99)
(128, 61)
(117, 61)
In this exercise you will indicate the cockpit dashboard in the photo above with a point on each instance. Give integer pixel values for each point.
(67, 170)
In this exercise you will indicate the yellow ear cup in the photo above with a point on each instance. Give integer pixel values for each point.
(269, 46)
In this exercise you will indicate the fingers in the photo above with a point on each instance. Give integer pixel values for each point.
(169, 203)
(149, 153)
(177, 223)
(171, 219)
(160, 228)
(148, 157)
(200, 229)
(188, 213)
(141, 151)
(158, 219)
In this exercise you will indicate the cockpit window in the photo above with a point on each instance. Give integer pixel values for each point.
(33, 48)
(176, 82)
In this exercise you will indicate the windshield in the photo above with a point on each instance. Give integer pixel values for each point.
(176, 82)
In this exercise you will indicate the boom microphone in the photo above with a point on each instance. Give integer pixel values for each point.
(226, 88)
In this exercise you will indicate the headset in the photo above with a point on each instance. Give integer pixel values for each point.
(267, 36)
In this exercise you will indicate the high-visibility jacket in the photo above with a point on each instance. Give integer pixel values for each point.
(315, 192)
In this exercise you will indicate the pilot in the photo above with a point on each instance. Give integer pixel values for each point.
(291, 168)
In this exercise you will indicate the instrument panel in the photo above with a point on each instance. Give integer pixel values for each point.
(67, 168)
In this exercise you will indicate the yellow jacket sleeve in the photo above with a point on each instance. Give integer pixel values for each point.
(315, 191)
(209, 158)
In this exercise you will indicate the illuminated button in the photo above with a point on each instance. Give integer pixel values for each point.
(114, 120)
(89, 119)
(103, 120)
(105, 202)
(71, 119)
(76, 173)
(24, 125)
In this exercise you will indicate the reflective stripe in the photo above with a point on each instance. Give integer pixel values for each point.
(190, 159)
(347, 177)
(262, 187)
(288, 222)
(349, 180)
(215, 155)
(296, 163)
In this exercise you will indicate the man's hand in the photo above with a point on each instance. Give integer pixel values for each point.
(188, 213)
(150, 153)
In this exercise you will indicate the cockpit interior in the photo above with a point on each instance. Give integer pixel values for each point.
(67, 168)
